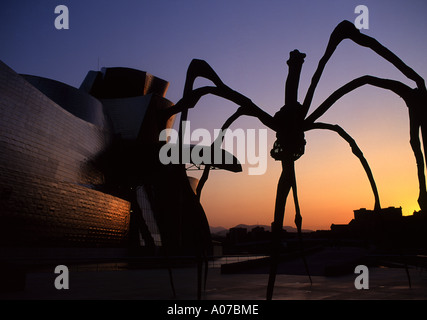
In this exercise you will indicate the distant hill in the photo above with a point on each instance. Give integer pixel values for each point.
(268, 228)
(221, 231)
(250, 227)
(218, 230)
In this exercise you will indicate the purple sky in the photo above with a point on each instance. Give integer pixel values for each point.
(247, 43)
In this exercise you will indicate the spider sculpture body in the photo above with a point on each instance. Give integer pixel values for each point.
(292, 120)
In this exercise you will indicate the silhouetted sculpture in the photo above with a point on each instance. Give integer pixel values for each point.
(291, 121)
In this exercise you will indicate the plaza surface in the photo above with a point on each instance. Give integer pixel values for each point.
(153, 284)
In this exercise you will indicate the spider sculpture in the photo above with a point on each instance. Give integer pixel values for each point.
(292, 120)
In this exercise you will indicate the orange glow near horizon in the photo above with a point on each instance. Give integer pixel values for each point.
(330, 179)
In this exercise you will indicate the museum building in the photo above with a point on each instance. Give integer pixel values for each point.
(79, 167)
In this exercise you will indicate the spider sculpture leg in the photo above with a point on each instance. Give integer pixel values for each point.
(344, 30)
(416, 99)
(298, 223)
(357, 152)
(415, 125)
(283, 187)
(189, 100)
(287, 181)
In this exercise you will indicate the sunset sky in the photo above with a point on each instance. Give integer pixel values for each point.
(247, 43)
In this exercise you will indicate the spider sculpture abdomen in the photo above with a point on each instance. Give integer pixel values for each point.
(290, 143)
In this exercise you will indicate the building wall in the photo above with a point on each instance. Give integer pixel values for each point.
(58, 213)
(46, 165)
(75, 101)
(148, 214)
(120, 82)
(39, 137)
(127, 115)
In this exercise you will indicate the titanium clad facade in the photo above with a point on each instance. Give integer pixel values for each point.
(80, 167)
(47, 185)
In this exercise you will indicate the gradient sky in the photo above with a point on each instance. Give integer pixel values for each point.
(248, 43)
